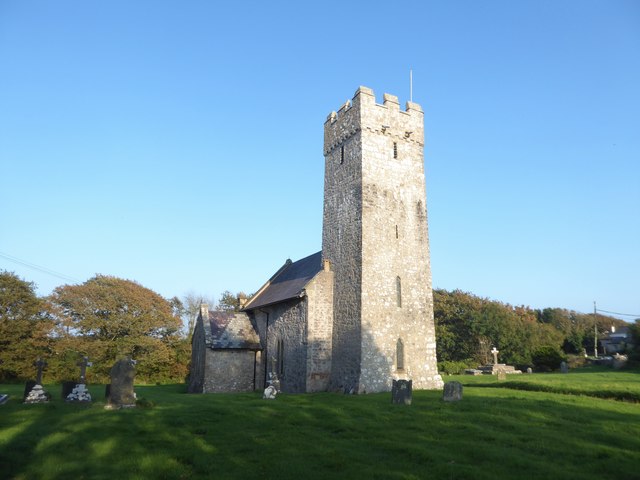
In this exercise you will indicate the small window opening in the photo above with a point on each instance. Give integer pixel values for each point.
(342, 154)
(399, 355)
(398, 292)
(395, 150)
(280, 357)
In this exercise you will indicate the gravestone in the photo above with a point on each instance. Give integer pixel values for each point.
(494, 352)
(28, 386)
(121, 394)
(452, 392)
(79, 392)
(67, 388)
(270, 393)
(529, 370)
(495, 367)
(34, 391)
(502, 375)
(619, 361)
(402, 392)
(564, 368)
(3, 398)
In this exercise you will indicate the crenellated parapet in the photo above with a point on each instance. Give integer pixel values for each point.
(362, 112)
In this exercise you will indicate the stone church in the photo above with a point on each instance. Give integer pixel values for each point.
(359, 313)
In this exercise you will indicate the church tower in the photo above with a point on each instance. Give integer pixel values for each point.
(375, 237)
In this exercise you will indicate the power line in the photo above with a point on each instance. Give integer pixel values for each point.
(618, 313)
(39, 268)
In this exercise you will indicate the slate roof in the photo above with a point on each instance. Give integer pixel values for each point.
(230, 330)
(288, 282)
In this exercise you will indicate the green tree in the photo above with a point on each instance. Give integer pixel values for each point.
(548, 358)
(232, 303)
(24, 327)
(108, 318)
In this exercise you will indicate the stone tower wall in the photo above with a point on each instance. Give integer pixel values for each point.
(341, 240)
(375, 193)
(319, 296)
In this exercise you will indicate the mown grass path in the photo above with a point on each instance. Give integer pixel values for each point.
(494, 433)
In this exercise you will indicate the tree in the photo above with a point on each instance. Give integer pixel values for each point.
(548, 358)
(24, 327)
(190, 308)
(232, 303)
(109, 318)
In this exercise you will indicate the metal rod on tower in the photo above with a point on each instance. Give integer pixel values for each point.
(410, 85)
(595, 331)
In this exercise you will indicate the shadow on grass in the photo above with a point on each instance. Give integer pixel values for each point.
(492, 433)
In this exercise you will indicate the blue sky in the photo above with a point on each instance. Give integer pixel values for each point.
(179, 144)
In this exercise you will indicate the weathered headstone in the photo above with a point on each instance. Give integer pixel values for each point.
(529, 370)
(564, 368)
(3, 398)
(452, 392)
(502, 375)
(121, 394)
(402, 392)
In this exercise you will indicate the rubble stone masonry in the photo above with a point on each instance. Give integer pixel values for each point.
(375, 237)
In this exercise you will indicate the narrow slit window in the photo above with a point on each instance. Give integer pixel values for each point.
(399, 355)
(395, 150)
(396, 231)
(280, 357)
(398, 292)
(342, 154)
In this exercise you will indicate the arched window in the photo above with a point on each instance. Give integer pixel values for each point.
(399, 355)
(398, 292)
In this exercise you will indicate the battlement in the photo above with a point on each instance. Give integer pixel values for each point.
(365, 98)
(362, 113)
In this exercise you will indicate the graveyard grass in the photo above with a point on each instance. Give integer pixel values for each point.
(495, 432)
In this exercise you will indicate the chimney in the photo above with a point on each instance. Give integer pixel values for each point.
(242, 300)
(204, 311)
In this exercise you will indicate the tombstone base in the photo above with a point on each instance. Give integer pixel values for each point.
(79, 394)
(37, 395)
(498, 367)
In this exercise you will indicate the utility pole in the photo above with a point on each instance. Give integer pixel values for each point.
(595, 331)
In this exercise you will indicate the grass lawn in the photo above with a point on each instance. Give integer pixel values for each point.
(599, 382)
(493, 433)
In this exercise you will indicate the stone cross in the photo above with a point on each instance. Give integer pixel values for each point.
(495, 352)
(40, 364)
(83, 368)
